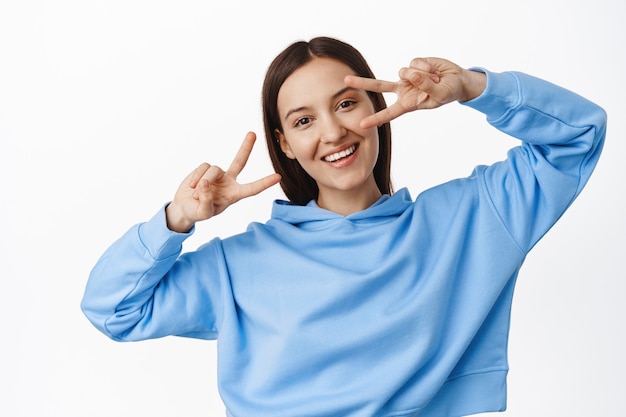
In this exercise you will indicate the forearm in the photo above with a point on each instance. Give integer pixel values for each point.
(539, 112)
(562, 136)
(123, 280)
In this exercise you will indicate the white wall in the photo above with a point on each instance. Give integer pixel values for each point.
(106, 105)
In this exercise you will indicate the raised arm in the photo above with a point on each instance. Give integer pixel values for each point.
(561, 132)
(142, 287)
(562, 137)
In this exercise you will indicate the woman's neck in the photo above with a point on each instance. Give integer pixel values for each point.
(348, 202)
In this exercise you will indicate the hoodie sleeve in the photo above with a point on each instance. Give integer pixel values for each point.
(562, 135)
(141, 288)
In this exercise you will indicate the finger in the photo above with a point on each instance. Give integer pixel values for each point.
(406, 73)
(424, 65)
(241, 159)
(370, 84)
(193, 178)
(205, 209)
(211, 176)
(201, 189)
(419, 79)
(383, 116)
(254, 188)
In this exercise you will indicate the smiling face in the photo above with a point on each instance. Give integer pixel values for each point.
(320, 119)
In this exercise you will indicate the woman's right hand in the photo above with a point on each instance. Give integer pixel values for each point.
(208, 190)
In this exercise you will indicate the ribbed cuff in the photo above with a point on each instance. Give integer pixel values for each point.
(160, 241)
(500, 96)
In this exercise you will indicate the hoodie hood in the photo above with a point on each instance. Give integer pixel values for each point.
(311, 214)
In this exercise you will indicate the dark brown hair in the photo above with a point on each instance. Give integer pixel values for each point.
(297, 184)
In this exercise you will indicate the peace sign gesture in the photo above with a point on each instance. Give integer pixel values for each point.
(426, 84)
(208, 190)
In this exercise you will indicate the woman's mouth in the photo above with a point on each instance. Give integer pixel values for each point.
(340, 155)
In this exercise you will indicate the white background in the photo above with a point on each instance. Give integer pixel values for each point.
(106, 105)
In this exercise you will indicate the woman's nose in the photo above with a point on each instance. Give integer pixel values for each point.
(332, 130)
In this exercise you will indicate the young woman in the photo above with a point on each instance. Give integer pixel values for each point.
(353, 300)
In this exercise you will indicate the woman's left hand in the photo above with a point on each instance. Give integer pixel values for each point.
(426, 84)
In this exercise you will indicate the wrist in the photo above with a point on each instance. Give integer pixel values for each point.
(474, 83)
(176, 221)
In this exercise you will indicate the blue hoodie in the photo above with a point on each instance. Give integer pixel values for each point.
(398, 310)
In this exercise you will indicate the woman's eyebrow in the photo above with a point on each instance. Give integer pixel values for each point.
(297, 109)
(333, 97)
(342, 91)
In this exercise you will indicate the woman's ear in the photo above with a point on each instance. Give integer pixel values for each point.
(284, 146)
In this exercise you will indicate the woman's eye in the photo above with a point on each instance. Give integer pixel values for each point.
(347, 103)
(302, 121)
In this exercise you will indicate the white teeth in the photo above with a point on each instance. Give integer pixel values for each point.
(336, 156)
